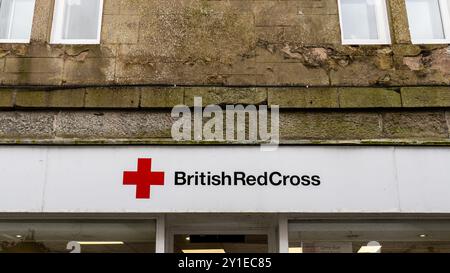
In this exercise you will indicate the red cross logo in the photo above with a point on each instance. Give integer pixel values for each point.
(143, 178)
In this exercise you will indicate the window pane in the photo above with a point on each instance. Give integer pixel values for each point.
(81, 19)
(425, 21)
(16, 19)
(91, 236)
(359, 19)
(376, 237)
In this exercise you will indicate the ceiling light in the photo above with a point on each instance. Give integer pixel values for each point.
(371, 247)
(295, 250)
(188, 238)
(101, 243)
(422, 235)
(18, 236)
(203, 251)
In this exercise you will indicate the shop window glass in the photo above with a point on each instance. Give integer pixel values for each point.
(369, 237)
(78, 236)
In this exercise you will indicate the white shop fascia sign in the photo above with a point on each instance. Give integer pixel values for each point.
(224, 179)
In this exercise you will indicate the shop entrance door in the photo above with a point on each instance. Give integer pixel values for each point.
(220, 233)
(208, 243)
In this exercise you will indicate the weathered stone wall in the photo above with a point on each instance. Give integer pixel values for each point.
(155, 54)
(367, 127)
(141, 115)
(213, 42)
(294, 98)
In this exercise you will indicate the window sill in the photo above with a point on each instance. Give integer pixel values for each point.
(75, 42)
(14, 41)
(431, 42)
(365, 42)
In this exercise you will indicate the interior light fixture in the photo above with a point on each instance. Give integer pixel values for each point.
(203, 251)
(371, 247)
(422, 235)
(295, 250)
(101, 243)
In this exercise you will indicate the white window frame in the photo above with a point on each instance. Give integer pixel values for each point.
(384, 33)
(58, 16)
(445, 17)
(18, 41)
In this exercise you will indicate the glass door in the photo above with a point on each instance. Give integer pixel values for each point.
(221, 234)
(220, 243)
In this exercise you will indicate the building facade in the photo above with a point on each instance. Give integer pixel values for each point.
(88, 89)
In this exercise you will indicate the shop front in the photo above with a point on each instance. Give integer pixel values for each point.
(224, 199)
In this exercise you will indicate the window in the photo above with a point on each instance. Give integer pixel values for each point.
(85, 236)
(16, 19)
(77, 22)
(429, 21)
(401, 236)
(364, 22)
